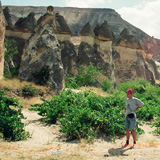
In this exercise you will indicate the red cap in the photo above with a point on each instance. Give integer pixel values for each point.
(129, 91)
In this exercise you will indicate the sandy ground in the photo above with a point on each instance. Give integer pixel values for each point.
(45, 141)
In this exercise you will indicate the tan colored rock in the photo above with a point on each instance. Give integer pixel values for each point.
(2, 36)
(18, 33)
(87, 34)
(131, 64)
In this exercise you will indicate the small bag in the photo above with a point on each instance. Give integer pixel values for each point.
(131, 115)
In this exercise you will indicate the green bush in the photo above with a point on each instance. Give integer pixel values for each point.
(82, 115)
(70, 81)
(86, 76)
(139, 85)
(11, 126)
(151, 106)
(29, 91)
(106, 84)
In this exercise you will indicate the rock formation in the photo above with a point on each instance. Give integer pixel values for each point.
(27, 23)
(62, 29)
(41, 60)
(69, 57)
(7, 15)
(87, 34)
(76, 18)
(97, 49)
(2, 36)
(121, 50)
(131, 61)
(20, 32)
(121, 60)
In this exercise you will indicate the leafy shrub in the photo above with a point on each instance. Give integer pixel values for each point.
(70, 81)
(82, 115)
(86, 76)
(139, 85)
(106, 84)
(29, 91)
(157, 124)
(151, 107)
(156, 131)
(11, 126)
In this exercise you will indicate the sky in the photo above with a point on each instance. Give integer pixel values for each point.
(144, 14)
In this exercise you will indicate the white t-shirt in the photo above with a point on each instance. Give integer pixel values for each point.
(132, 104)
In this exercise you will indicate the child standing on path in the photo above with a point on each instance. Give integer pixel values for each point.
(132, 104)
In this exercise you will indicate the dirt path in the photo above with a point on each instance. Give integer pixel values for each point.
(45, 140)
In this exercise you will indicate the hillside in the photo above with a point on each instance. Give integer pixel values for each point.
(78, 17)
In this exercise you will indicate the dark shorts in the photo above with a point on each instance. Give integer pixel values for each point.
(130, 122)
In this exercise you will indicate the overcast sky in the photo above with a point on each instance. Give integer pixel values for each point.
(143, 14)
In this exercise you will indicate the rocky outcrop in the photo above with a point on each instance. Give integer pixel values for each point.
(128, 40)
(152, 47)
(104, 32)
(76, 18)
(87, 30)
(41, 60)
(123, 53)
(2, 36)
(87, 34)
(7, 15)
(97, 49)
(131, 61)
(62, 28)
(27, 23)
(121, 60)
(69, 57)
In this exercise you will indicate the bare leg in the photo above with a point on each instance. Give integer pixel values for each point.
(134, 135)
(127, 134)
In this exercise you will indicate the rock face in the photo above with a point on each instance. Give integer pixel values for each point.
(41, 60)
(7, 15)
(97, 49)
(69, 57)
(76, 18)
(62, 28)
(28, 22)
(121, 60)
(2, 36)
(123, 53)
(131, 60)
(128, 40)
